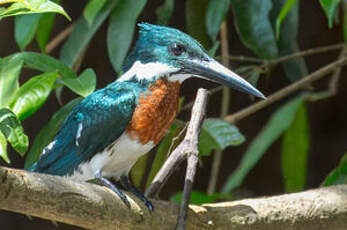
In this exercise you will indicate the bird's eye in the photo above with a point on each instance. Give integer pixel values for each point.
(177, 49)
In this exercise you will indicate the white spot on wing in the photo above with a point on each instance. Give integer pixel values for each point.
(79, 132)
(48, 148)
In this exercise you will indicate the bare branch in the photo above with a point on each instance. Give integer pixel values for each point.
(95, 207)
(318, 74)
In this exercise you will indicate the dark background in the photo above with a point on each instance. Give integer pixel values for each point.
(327, 118)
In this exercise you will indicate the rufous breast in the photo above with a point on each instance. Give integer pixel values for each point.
(155, 112)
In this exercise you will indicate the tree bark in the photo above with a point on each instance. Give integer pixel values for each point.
(96, 207)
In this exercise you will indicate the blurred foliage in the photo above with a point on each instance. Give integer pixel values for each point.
(338, 175)
(269, 28)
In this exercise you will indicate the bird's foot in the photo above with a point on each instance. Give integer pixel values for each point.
(105, 182)
(124, 180)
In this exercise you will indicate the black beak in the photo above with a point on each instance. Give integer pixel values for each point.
(214, 71)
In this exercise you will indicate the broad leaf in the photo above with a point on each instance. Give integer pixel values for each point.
(338, 175)
(164, 12)
(329, 7)
(92, 9)
(216, 12)
(195, 14)
(252, 18)
(137, 172)
(278, 123)
(44, 63)
(253, 79)
(3, 148)
(47, 133)
(44, 30)
(283, 13)
(217, 134)
(296, 68)
(33, 94)
(9, 72)
(121, 29)
(25, 28)
(84, 84)
(81, 35)
(12, 129)
(295, 147)
(31, 6)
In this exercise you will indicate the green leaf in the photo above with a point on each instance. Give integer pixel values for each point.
(12, 129)
(31, 6)
(48, 132)
(44, 63)
(84, 84)
(195, 14)
(253, 79)
(33, 94)
(329, 7)
(216, 12)
(44, 30)
(283, 13)
(3, 148)
(295, 147)
(81, 35)
(197, 197)
(217, 134)
(121, 29)
(212, 52)
(338, 175)
(296, 68)
(164, 12)
(92, 9)
(278, 123)
(254, 27)
(25, 28)
(163, 150)
(9, 72)
(137, 172)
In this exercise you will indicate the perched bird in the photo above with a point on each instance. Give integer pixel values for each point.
(110, 129)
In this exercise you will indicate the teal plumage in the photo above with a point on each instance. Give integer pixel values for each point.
(102, 117)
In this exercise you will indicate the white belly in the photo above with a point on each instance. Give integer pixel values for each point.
(114, 161)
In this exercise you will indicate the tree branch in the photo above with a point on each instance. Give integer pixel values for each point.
(96, 207)
(318, 74)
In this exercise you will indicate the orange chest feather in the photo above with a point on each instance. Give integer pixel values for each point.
(155, 112)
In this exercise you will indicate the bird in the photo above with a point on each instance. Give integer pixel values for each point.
(104, 135)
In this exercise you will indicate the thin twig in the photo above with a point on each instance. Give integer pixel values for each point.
(307, 52)
(290, 56)
(318, 74)
(217, 157)
(58, 39)
(333, 84)
(184, 148)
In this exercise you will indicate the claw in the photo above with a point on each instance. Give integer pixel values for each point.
(105, 182)
(124, 180)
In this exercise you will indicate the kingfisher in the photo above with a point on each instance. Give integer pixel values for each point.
(110, 129)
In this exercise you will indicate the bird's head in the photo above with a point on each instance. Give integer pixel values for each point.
(166, 52)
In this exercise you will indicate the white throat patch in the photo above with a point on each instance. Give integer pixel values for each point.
(147, 71)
